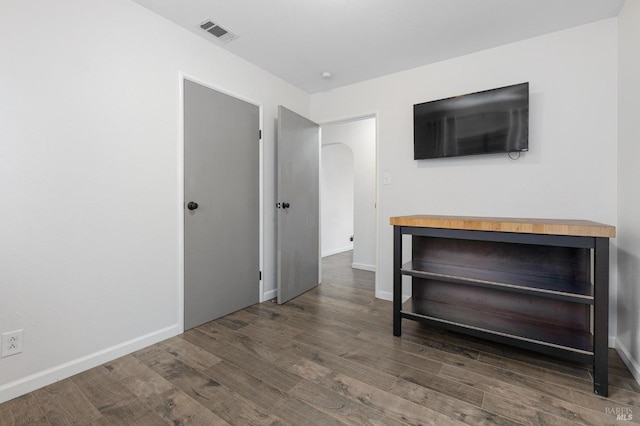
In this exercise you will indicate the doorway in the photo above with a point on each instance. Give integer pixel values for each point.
(350, 141)
(337, 193)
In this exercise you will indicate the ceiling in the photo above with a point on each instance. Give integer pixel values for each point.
(356, 40)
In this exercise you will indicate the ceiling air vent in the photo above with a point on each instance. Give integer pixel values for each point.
(217, 31)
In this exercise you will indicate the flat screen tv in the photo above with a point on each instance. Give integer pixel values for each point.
(485, 122)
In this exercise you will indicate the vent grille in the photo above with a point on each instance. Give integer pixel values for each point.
(217, 31)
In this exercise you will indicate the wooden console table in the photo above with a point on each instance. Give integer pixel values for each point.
(537, 284)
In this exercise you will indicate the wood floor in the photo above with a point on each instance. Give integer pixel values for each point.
(325, 358)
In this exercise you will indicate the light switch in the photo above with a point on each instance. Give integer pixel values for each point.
(386, 178)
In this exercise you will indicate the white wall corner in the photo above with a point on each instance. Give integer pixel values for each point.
(268, 295)
(364, 267)
(51, 375)
(384, 295)
(632, 364)
(387, 295)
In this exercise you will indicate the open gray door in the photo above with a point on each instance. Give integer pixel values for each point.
(221, 188)
(298, 202)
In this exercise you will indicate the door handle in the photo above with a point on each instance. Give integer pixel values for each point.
(192, 205)
(285, 205)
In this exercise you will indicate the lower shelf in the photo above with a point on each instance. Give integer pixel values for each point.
(546, 338)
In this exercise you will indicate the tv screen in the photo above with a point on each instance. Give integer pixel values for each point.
(485, 122)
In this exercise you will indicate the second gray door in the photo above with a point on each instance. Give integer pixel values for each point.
(221, 186)
(299, 204)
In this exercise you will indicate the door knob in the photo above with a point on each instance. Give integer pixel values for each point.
(285, 205)
(192, 206)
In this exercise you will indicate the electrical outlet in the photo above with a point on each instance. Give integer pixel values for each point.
(12, 343)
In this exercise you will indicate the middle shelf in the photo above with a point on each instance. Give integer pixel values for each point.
(552, 287)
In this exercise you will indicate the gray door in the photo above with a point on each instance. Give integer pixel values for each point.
(221, 164)
(298, 204)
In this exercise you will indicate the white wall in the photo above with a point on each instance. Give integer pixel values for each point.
(90, 171)
(337, 198)
(360, 136)
(570, 171)
(90, 168)
(628, 180)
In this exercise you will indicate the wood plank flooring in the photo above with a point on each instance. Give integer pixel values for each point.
(329, 358)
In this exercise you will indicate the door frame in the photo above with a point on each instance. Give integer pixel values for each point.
(376, 115)
(182, 76)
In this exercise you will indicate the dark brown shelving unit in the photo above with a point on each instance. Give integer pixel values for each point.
(540, 285)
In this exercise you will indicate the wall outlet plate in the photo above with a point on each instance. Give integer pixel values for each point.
(12, 342)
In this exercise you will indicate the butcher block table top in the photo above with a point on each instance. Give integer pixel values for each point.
(578, 228)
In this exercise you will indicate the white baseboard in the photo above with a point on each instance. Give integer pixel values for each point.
(336, 251)
(612, 341)
(43, 378)
(271, 294)
(632, 364)
(364, 267)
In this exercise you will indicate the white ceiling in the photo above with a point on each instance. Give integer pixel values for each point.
(361, 39)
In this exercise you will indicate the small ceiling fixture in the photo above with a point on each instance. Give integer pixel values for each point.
(217, 31)
(326, 75)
